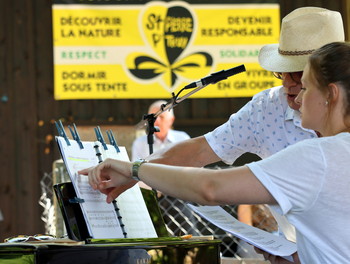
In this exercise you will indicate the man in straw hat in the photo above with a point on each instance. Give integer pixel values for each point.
(270, 121)
(302, 31)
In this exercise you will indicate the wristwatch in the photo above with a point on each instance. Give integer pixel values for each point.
(135, 168)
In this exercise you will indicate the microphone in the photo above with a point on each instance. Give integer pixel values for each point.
(216, 77)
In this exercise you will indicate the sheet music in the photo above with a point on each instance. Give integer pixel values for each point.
(101, 217)
(137, 220)
(266, 241)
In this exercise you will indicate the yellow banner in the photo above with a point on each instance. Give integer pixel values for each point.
(153, 50)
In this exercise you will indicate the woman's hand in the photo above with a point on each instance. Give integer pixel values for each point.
(111, 177)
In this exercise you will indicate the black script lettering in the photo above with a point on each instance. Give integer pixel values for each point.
(154, 22)
(107, 87)
(224, 85)
(75, 75)
(261, 85)
(76, 87)
(156, 38)
(178, 24)
(67, 33)
(258, 73)
(99, 33)
(238, 20)
(176, 42)
(90, 21)
(240, 85)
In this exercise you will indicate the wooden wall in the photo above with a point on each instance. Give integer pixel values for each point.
(27, 108)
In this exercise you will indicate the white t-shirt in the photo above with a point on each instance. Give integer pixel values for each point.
(140, 147)
(264, 126)
(311, 183)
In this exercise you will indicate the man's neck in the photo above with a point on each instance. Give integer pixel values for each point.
(161, 137)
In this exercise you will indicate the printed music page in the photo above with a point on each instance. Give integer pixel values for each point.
(100, 217)
(266, 241)
(132, 206)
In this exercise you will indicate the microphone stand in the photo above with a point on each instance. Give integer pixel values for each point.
(213, 78)
(151, 118)
(150, 130)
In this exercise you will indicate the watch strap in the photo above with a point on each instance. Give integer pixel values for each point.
(135, 168)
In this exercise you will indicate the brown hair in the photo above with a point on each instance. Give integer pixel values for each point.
(331, 64)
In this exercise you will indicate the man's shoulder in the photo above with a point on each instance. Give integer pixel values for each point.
(271, 98)
(276, 92)
(140, 139)
(178, 135)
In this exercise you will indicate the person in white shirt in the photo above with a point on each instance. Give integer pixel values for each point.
(163, 138)
(308, 182)
(175, 213)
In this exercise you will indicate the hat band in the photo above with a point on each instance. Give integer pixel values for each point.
(295, 53)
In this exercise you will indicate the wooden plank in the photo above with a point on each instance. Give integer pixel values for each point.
(47, 108)
(27, 178)
(7, 163)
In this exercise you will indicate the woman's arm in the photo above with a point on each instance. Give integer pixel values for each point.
(203, 186)
(206, 186)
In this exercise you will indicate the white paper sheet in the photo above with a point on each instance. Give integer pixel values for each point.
(266, 241)
(131, 203)
(101, 217)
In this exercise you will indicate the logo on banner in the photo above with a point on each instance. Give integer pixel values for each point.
(168, 31)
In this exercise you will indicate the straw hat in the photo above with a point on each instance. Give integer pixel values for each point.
(302, 31)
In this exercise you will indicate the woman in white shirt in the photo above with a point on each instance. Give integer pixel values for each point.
(308, 182)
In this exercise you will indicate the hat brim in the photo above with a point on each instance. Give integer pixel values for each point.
(270, 59)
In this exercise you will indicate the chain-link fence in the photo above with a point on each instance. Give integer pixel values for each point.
(181, 220)
(178, 217)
